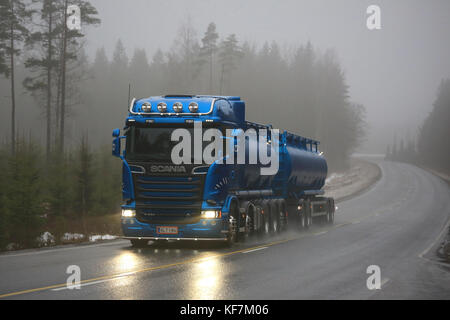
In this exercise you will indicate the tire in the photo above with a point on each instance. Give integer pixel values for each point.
(301, 223)
(283, 215)
(266, 215)
(232, 233)
(309, 219)
(330, 214)
(250, 221)
(138, 243)
(275, 218)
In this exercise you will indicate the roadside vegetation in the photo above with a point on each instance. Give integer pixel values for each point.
(430, 148)
(57, 174)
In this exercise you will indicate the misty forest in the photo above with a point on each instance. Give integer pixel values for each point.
(61, 177)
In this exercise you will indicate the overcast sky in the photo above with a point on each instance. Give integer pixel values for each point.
(394, 71)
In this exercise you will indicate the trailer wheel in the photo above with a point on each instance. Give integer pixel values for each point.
(138, 243)
(308, 216)
(330, 213)
(301, 222)
(282, 213)
(266, 219)
(275, 218)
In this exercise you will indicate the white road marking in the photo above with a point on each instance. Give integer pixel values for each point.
(7, 255)
(320, 233)
(421, 255)
(253, 250)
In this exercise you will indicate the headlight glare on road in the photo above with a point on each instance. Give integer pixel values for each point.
(128, 213)
(211, 214)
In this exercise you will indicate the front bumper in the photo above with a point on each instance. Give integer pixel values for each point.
(205, 229)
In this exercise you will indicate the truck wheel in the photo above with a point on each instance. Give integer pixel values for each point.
(283, 216)
(232, 233)
(275, 218)
(139, 243)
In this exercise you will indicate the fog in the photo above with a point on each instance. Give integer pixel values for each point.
(394, 72)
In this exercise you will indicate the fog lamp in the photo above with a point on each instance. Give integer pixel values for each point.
(128, 213)
(211, 214)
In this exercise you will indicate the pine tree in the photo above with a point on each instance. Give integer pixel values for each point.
(84, 174)
(229, 54)
(13, 31)
(44, 61)
(139, 71)
(208, 50)
(70, 45)
(4, 228)
(24, 194)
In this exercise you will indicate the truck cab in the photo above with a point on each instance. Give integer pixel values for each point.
(164, 200)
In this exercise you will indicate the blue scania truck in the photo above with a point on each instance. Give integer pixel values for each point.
(219, 201)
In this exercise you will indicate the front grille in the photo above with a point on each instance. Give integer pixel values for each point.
(168, 199)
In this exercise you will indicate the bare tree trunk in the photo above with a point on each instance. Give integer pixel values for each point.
(13, 94)
(63, 82)
(210, 72)
(58, 100)
(221, 79)
(49, 86)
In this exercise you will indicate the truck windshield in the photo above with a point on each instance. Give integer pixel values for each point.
(153, 144)
(150, 144)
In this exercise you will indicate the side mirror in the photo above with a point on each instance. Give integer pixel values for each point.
(116, 147)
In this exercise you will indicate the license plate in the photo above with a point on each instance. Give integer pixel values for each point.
(167, 230)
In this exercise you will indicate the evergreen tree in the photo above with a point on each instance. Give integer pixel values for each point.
(70, 45)
(208, 50)
(24, 194)
(229, 54)
(43, 61)
(13, 31)
(435, 132)
(85, 178)
(4, 228)
(139, 71)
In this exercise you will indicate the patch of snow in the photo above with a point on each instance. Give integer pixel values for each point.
(12, 246)
(72, 236)
(97, 237)
(46, 239)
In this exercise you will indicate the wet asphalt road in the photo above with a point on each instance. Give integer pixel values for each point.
(394, 225)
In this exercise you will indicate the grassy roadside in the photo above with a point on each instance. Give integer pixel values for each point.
(343, 185)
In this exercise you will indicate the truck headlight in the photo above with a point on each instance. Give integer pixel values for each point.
(128, 213)
(211, 214)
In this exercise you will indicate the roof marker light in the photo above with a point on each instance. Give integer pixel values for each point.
(146, 107)
(177, 107)
(162, 107)
(193, 107)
